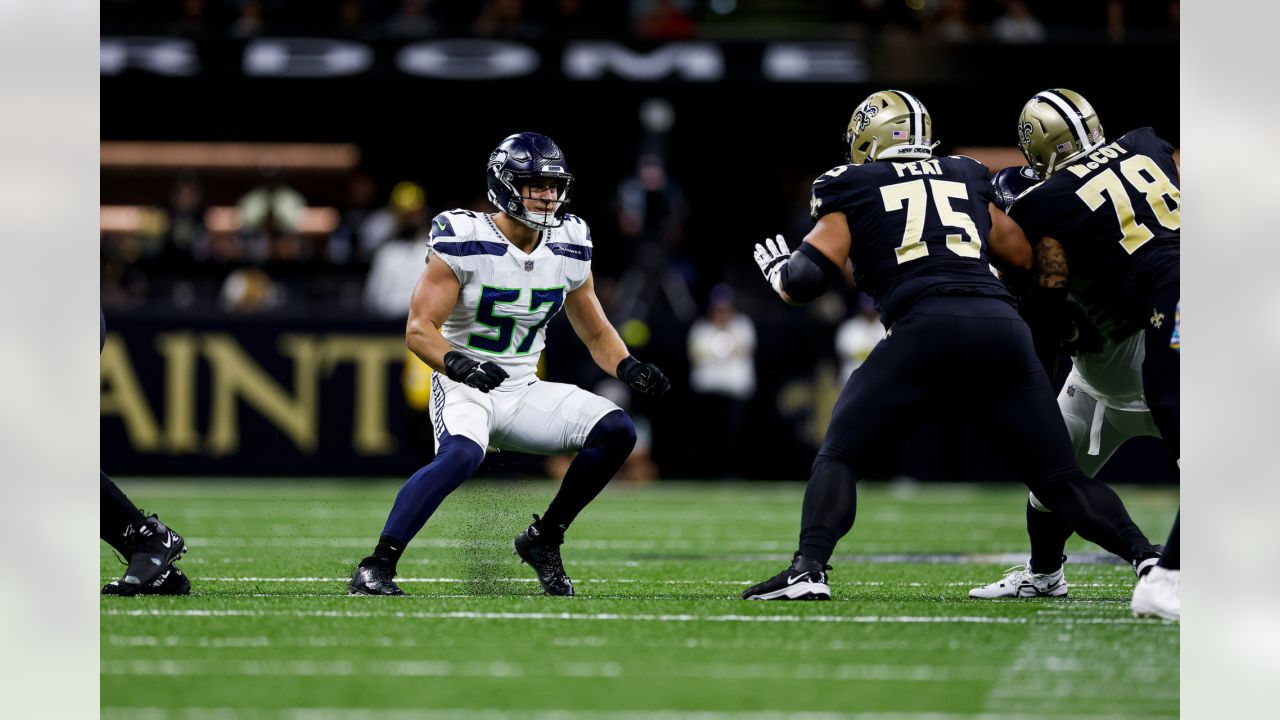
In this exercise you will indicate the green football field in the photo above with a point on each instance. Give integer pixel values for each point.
(656, 630)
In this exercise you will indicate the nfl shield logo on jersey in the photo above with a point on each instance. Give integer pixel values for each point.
(528, 266)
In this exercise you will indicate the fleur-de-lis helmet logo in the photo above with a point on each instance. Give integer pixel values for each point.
(862, 118)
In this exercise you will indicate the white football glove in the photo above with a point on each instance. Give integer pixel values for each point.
(771, 256)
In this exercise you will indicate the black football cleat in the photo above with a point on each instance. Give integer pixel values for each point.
(804, 580)
(171, 582)
(373, 577)
(152, 549)
(542, 552)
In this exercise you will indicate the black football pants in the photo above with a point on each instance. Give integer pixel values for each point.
(975, 351)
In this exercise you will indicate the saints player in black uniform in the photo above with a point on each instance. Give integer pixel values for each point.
(1105, 225)
(148, 546)
(916, 228)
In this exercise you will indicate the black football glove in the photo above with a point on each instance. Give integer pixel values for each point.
(1084, 337)
(481, 376)
(645, 377)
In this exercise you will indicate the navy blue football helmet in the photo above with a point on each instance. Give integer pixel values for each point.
(518, 162)
(1011, 182)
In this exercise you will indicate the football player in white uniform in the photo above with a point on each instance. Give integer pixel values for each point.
(1105, 400)
(478, 317)
(1103, 406)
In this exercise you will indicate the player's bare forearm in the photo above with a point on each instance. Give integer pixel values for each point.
(433, 299)
(1008, 245)
(1050, 264)
(593, 327)
(425, 341)
(831, 237)
(607, 349)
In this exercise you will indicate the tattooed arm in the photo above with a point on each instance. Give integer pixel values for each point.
(1050, 264)
(1045, 305)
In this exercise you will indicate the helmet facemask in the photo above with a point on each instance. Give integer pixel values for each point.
(538, 200)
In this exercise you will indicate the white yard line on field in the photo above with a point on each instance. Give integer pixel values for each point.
(620, 617)
(728, 549)
(419, 713)
(628, 581)
(844, 672)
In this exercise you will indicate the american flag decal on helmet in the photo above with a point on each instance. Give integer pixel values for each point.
(899, 135)
(1063, 147)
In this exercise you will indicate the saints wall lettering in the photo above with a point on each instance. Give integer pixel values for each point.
(208, 380)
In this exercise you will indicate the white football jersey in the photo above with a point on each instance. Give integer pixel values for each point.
(1114, 373)
(507, 296)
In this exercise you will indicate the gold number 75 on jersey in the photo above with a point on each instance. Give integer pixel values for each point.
(915, 195)
(1155, 187)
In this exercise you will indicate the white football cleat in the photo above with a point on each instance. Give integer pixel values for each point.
(1156, 595)
(1020, 582)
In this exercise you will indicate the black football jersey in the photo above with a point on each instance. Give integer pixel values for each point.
(918, 228)
(1117, 214)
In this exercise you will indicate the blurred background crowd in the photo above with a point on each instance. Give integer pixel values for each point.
(946, 20)
(232, 195)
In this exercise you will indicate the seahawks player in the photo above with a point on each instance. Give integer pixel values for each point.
(1105, 227)
(1103, 406)
(916, 229)
(148, 546)
(478, 317)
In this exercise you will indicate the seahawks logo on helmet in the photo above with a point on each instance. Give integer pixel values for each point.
(519, 160)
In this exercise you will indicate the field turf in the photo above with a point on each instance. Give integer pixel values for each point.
(657, 629)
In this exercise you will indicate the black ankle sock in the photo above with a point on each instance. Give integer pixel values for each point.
(549, 531)
(830, 505)
(1048, 535)
(116, 513)
(389, 549)
(1171, 559)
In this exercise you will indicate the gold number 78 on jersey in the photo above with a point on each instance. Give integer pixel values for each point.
(1155, 187)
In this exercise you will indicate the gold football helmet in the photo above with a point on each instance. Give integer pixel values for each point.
(889, 124)
(1056, 127)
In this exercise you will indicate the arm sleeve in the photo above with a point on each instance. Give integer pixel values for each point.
(807, 274)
